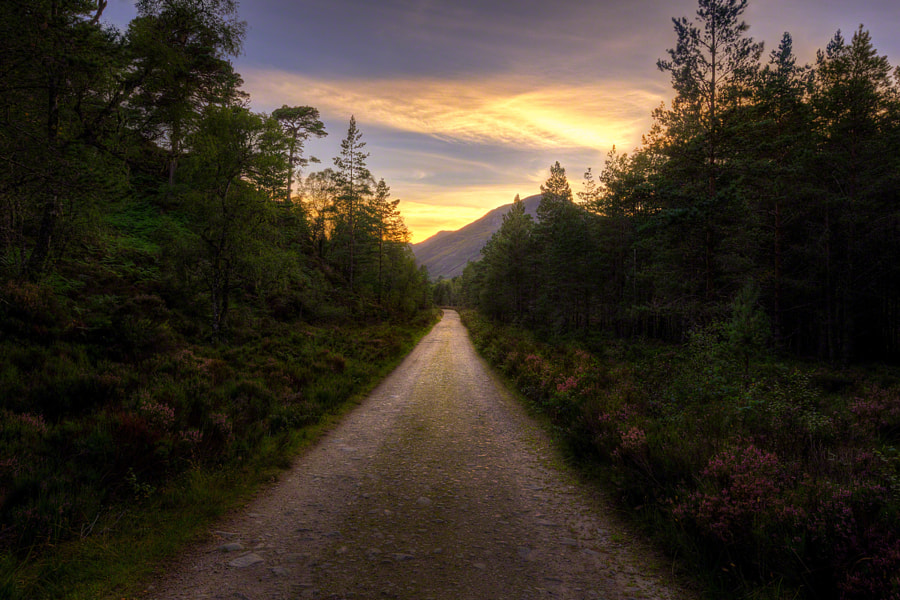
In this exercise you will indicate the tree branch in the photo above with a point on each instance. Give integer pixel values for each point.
(101, 6)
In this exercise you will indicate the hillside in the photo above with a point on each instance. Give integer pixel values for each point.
(446, 253)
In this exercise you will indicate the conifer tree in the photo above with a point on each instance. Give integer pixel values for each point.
(856, 106)
(508, 266)
(389, 228)
(711, 68)
(566, 255)
(353, 183)
(712, 63)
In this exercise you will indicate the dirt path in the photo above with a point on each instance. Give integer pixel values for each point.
(437, 486)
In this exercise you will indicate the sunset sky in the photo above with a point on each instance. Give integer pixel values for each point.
(465, 103)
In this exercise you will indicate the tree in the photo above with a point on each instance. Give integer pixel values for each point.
(268, 170)
(566, 255)
(180, 65)
(318, 192)
(298, 123)
(619, 204)
(778, 140)
(352, 179)
(59, 94)
(229, 212)
(555, 192)
(856, 109)
(590, 193)
(508, 266)
(711, 68)
(712, 63)
(389, 228)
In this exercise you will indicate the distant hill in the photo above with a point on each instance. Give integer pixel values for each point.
(446, 253)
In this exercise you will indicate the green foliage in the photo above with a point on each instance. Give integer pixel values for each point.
(170, 320)
(298, 123)
(507, 265)
(88, 437)
(761, 200)
(763, 481)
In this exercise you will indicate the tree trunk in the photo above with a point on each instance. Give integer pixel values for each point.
(37, 262)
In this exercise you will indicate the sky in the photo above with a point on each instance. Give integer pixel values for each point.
(463, 104)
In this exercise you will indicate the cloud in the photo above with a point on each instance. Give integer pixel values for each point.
(507, 112)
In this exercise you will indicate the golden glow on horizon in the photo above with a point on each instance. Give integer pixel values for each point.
(505, 112)
(449, 210)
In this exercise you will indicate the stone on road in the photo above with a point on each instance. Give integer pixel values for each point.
(437, 486)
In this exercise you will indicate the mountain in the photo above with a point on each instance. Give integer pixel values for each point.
(446, 253)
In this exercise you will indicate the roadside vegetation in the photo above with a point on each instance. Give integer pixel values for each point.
(773, 479)
(182, 308)
(711, 323)
(110, 464)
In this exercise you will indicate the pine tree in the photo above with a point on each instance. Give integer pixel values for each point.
(353, 187)
(508, 266)
(712, 63)
(565, 256)
(777, 140)
(855, 102)
(711, 66)
(389, 228)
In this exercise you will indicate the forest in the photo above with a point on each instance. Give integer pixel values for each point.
(711, 322)
(710, 325)
(180, 302)
(765, 182)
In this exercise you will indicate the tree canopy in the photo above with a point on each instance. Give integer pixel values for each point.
(776, 177)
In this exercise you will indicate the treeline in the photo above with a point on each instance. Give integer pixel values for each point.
(766, 192)
(100, 125)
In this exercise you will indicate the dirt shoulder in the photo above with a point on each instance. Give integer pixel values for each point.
(437, 486)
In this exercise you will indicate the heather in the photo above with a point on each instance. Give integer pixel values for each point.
(105, 448)
(771, 479)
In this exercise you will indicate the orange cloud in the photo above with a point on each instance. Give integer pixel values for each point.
(503, 111)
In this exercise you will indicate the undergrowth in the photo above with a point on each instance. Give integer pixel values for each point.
(767, 479)
(125, 427)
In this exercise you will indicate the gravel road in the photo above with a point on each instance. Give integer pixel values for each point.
(437, 486)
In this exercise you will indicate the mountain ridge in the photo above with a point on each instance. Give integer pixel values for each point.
(446, 253)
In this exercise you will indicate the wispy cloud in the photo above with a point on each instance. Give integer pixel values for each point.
(499, 111)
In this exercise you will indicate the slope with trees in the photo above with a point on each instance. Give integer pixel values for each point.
(173, 319)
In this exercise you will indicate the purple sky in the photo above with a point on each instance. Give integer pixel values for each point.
(466, 103)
